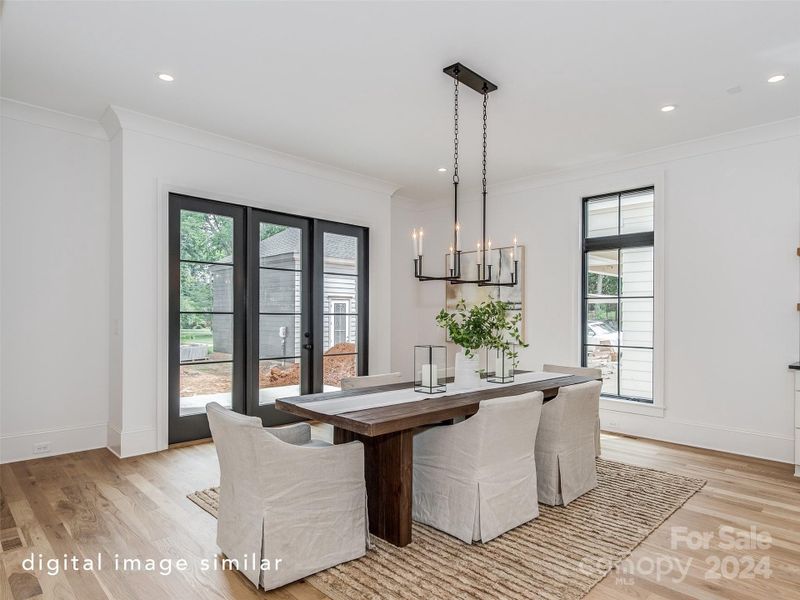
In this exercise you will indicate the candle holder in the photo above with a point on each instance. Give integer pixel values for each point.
(500, 366)
(430, 369)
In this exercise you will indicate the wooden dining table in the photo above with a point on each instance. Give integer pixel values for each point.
(387, 433)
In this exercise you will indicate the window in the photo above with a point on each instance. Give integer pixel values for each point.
(618, 292)
(339, 318)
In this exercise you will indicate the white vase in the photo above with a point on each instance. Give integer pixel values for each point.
(467, 371)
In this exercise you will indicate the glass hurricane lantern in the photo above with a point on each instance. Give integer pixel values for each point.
(500, 365)
(430, 369)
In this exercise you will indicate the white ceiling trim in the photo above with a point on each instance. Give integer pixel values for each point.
(730, 140)
(54, 119)
(655, 157)
(117, 117)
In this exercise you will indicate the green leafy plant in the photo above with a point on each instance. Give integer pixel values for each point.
(489, 324)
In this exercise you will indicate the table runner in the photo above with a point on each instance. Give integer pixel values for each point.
(375, 400)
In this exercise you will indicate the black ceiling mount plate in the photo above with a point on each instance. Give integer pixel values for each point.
(470, 78)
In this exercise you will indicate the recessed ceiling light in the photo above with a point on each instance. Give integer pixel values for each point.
(668, 108)
(442, 170)
(165, 77)
(776, 78)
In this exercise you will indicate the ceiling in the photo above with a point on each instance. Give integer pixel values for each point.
(359, 85)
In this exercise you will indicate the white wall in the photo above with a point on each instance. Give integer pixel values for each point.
(156, 157)
(54, 375)
(84, 270)
(84, 264)
(731, 223)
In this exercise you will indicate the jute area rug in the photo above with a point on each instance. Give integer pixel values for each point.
(559, 556)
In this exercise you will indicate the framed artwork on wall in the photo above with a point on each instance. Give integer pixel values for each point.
(474, 294)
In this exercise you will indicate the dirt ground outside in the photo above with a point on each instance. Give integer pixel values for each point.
(199, 378)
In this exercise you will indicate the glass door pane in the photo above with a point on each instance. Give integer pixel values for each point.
(206, 312)
(340, 266)
(281, 330)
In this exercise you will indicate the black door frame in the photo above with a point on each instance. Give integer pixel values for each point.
(245, 389)
(362, 235)
(268, 413)
(192, 427)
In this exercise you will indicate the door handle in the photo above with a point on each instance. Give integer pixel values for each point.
(308, 346)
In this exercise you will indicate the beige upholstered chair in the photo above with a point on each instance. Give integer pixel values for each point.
(477, 479)
(565, 454)
(351, 383)
(586, 372)
(283, 496)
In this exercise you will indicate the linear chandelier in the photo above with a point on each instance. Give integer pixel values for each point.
(484, 264)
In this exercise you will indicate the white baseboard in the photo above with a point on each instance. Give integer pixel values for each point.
(61, 440)
(757, 444)
(114, 440)
(132, 442)
(139, 441)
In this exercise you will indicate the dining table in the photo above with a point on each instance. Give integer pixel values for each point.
(383, 418)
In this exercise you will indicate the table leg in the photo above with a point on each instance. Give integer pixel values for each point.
(388, 469)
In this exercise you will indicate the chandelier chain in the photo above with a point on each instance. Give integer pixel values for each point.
(485, 98)
(455, 131)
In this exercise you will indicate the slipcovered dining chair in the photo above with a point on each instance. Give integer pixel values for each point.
(565, 453)
(284, 496)
(351, 383)
(586, 372)
(477, 479)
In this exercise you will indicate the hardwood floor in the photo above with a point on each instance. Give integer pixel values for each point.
(91, 503)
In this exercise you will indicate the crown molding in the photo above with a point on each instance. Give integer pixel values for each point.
(118, 118)
(647, 159)
(53, 119)
(730, 140)
(110, 123)
(415, 204)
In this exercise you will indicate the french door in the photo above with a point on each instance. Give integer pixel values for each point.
(263, 305)
(281, 343)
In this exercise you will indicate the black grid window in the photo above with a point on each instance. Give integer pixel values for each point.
(618, 291)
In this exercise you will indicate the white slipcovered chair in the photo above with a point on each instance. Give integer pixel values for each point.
(285, 496)
(565, 453)
(585, 372)
(351, 383)
(477, 479)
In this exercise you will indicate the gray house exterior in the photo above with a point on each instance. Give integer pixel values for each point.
(280, 335)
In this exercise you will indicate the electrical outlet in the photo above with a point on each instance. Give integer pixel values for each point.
(41, 448)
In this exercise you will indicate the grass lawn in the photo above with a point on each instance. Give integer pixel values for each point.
(197, 336)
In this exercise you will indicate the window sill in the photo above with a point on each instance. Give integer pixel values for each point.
(629, 406)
